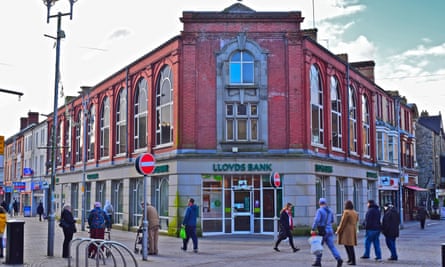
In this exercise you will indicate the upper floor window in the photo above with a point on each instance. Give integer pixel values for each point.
(336, 114)
(121, 122)
(366, 127)
(68, 137)
(91, 128)
(105, 128)
(164, 107)
(140, 115)
(352, 121)
(59, 143)
(241, 68)
(241, 122)
(77, 136)
(316, 106)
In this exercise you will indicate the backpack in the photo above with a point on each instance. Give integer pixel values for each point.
(98, 219)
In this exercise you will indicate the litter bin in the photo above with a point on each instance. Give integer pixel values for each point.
(27, 211)
(14, 242)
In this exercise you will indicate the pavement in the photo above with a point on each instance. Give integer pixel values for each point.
(415, 247)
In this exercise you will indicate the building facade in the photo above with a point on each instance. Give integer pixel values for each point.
(237, 96)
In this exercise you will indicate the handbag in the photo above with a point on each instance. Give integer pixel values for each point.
(182, 233)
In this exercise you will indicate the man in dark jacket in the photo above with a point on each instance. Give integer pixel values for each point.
(390, 229)
(421, 216)
(373, 228)
(191, 215)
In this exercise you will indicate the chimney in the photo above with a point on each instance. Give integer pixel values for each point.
(33, 117)
(311, 33)
(23, 123)
(343, 57)
(365, 67)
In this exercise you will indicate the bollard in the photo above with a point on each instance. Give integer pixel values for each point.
(443, 254)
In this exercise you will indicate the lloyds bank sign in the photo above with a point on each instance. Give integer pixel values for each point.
(242, 167)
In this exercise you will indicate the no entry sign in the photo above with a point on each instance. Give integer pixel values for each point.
(275, 179)
(145, 163)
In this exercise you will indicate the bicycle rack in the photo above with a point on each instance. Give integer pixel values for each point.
(101, 245)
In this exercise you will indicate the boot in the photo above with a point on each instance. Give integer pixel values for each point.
(317, 264)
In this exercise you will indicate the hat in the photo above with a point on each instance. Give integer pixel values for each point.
(97, 205)
(322, 201)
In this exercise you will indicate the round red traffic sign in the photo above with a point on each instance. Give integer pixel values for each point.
(145, 163)
(275, 179)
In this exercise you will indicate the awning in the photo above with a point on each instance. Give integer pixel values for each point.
(416, 188)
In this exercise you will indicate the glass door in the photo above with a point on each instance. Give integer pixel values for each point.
(242, 211)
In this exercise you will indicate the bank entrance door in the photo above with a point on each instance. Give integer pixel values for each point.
(242, 210)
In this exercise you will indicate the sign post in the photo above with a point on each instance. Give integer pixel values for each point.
(275, 181)
(145, 165)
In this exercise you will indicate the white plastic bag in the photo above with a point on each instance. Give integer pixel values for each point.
(316, 246)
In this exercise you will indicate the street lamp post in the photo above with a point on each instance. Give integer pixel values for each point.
(50, 196)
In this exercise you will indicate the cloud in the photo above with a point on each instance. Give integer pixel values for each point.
(359, 49)
(119, 34)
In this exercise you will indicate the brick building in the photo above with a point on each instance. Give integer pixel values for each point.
(237, 96)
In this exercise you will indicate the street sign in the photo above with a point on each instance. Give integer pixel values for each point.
(275, 179)
(145, 163)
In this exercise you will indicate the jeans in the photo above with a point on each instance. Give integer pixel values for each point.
(329, 240)
(372, 236)
(391, 243)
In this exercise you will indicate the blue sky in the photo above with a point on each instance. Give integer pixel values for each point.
(404, 38)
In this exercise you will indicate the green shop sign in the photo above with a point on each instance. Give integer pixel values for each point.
(323, 168)
(371, 175)
(242, 167)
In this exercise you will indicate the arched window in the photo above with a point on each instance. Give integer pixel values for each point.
(316, 106)
(78, 136)
(164, 107)
(59, 144)
(105, 128)
(336, 107)
(121, 122)
(366, 127)
(91, 138)
(241, 68)
(352, 121)
(68, 137)
(140, 115)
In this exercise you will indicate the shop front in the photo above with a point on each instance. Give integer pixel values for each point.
(239, 203)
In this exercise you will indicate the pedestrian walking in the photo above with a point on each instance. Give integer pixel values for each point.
(286, 227)
(98, 221)
(189, 222)
(40, 210)
(68, 225)
(347, 231)
(15, 206)
(153, 228)
(373, 228)
(422, 213)
(109, 210)
(390, 229)
(3, 218)
(323, 220)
